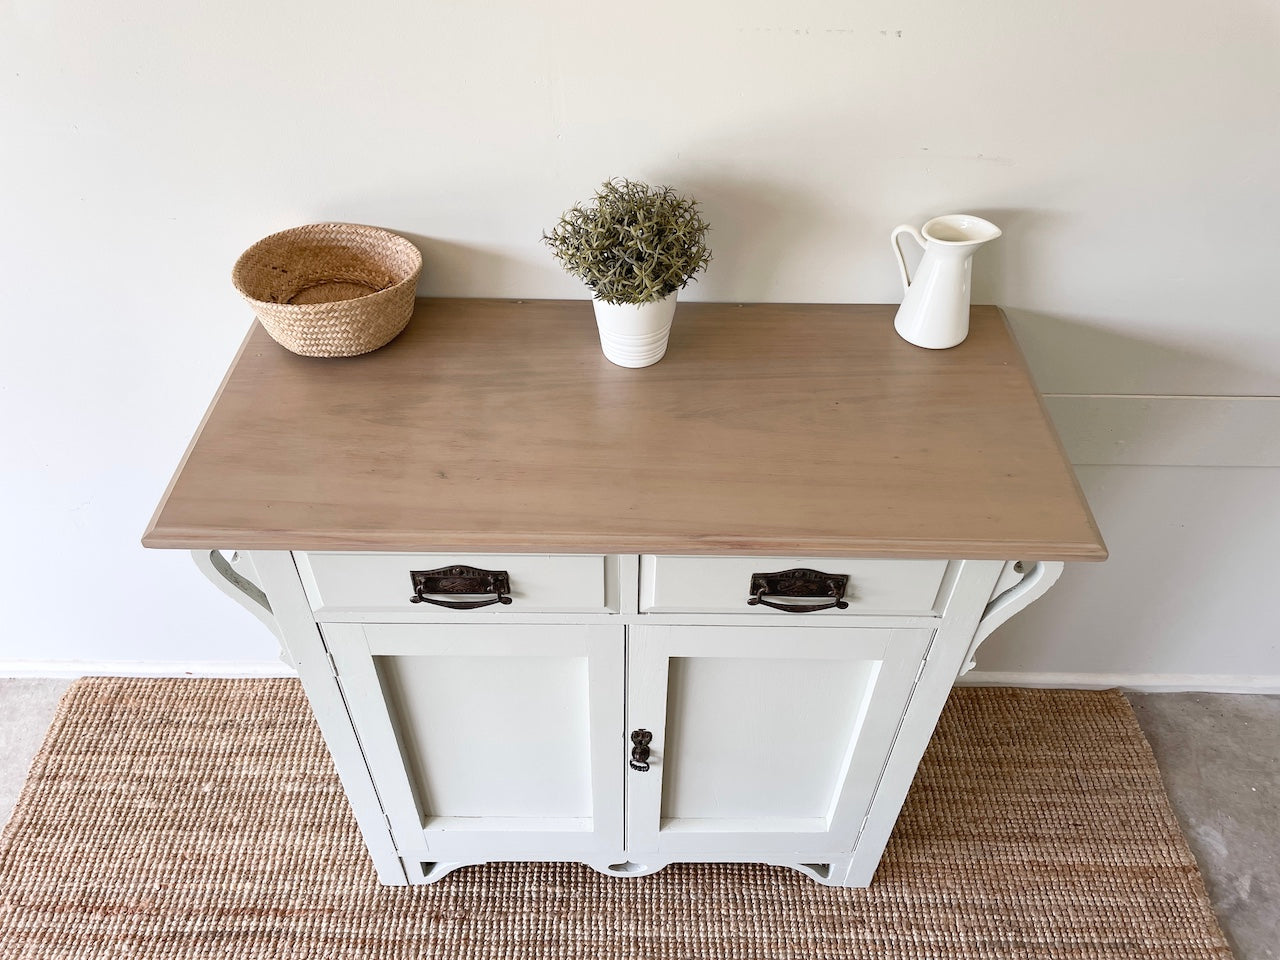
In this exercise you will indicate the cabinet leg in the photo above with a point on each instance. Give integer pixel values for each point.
(420, 872)
(834, 873)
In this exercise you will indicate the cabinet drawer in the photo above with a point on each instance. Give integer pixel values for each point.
(369, 585)
(724, 584)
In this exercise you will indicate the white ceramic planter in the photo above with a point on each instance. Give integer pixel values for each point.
(635, 334)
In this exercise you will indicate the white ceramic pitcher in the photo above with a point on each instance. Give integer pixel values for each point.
(935, 305)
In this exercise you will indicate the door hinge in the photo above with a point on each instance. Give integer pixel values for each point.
(333, 664)
(932, 647)
(920, 672)
(862, 827)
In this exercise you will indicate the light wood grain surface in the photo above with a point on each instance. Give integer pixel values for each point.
(768, 428)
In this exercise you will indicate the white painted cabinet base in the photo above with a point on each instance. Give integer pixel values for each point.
(505, 732)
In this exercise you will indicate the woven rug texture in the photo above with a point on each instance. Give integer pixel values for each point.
(200, 818)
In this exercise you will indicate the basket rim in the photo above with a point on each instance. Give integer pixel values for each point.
(380, 232)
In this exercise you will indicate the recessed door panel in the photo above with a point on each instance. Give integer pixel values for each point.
(746, 739)
(488, 739)
(763, 739)
(493, 736)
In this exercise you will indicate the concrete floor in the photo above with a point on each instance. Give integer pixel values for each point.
(26, 710)
(1219, 755)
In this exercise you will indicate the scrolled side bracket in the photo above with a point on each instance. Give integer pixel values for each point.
(236, 585)
(1035, 581)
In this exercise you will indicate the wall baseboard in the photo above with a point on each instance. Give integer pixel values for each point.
(1142, 682)
(1138, 682)
(64, 669)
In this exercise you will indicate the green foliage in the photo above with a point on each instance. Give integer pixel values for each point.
(632, 243)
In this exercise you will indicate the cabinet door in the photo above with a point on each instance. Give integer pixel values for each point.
(767, 742)
(490, 741)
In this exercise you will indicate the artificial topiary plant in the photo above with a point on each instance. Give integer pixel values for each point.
(632, 243)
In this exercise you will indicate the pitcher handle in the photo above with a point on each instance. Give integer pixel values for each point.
(897, 249)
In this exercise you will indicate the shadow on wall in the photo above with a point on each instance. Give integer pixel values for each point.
(1087, 355)
(1183, 591)
(747, 261)
(1078, 356)
(451, 269)
(1012, 258)
(756, 227)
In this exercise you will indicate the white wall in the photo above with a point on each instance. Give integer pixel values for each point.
(1129, 151)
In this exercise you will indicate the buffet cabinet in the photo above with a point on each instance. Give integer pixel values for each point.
(545, 608)
(626, 711)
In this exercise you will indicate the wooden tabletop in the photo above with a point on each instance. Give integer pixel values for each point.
(497, 425)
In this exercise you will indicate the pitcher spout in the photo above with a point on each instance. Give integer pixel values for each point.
(960, 230)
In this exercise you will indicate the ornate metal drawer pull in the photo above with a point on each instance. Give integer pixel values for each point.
(801, 582)
(460, 580)
(640, 740)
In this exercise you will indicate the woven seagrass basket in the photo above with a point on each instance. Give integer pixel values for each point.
(330, 289)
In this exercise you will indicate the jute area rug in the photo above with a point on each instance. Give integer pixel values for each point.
(201, 818)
